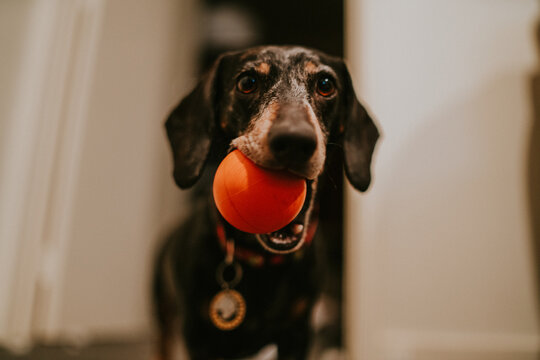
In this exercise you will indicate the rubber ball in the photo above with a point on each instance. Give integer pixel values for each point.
(254, 199)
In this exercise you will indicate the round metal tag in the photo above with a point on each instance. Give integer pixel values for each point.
(227, 309)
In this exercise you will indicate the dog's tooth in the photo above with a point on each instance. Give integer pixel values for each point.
(297, 229)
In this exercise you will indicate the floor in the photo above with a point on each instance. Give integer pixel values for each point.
(113, 351)
(138, 350)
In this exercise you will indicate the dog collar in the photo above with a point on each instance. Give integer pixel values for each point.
(257, 259)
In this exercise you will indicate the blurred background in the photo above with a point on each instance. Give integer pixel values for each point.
(442, 253)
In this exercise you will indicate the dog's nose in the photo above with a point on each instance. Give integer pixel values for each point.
(292, 141)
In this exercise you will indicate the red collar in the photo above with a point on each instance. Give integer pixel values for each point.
(257, 259)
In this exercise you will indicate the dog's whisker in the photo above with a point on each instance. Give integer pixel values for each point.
(335, 144)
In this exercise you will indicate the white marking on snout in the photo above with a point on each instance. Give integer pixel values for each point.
(253, 143)
(316, 163)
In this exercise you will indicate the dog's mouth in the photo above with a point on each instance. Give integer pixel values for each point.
(291, 237)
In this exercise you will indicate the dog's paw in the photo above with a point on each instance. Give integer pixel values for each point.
(269, 352)
(332, 354)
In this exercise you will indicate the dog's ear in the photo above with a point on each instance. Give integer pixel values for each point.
(359, 136)
(190, 128)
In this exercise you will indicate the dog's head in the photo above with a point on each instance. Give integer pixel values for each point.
(281, 107)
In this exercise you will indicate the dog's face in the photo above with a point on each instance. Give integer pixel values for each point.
(281, 107)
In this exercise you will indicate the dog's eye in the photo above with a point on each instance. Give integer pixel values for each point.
(325, 86)
(247, 84)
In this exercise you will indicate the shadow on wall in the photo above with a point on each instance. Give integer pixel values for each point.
(534, 168)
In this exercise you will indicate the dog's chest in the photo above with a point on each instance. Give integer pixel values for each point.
(274, 294)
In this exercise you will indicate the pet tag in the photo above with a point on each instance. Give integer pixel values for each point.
(228, 307)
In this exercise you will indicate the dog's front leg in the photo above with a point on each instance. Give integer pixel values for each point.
(293, 344)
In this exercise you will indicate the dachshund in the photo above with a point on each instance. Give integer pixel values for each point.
(230, 293)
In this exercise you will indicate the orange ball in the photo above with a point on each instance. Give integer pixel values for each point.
(254, 199)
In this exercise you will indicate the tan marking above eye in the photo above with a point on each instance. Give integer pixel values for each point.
(310, 67)
(263, 68)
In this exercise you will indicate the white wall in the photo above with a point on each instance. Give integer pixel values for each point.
(125, 193)
(125, 197)
(14, 19)
(439, 250)
(86, 186)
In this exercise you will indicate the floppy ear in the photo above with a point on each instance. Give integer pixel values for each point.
(190, 129)
(359, 138)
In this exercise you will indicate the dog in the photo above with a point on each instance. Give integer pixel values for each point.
(284, 107)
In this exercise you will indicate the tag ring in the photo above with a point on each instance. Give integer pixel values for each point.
(220, 274)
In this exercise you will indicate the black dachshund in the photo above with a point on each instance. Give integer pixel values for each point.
(229, 293)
